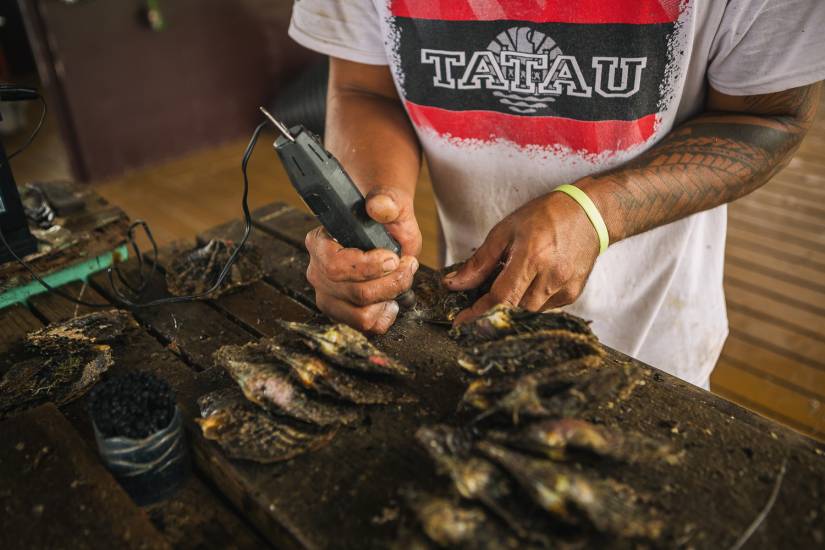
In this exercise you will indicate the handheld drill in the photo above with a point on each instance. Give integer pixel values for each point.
(330, 193)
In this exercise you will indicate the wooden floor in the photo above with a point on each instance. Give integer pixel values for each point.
(774, 360)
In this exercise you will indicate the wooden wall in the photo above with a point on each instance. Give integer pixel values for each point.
(126, 96)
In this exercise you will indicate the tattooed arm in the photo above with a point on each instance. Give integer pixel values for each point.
(735, 147)
(549, 246)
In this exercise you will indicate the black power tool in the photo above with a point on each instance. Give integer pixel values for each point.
(330, 193)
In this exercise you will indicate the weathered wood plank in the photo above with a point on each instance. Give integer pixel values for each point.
(56, 494)
(793, 248)
(804, 319)
(803, 238)
(99, 228)
(775, 284)
(768, 195)
(194, 330)
(769, 208)
(289, 224)
(208, 329)
(808, 379)
(241, 482)
(796, 345)
(771, 396)
(15, 322)
(56, 309)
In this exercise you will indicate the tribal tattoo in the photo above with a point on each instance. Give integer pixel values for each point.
(717, 157)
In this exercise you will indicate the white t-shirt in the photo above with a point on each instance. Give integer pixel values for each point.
(511, 98)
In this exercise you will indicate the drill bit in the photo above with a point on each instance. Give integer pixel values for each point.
(278, 124)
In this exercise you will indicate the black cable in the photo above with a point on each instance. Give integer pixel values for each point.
(144, 281)
(123, 300)
(119, 297)
(46, 285)
(36, 130)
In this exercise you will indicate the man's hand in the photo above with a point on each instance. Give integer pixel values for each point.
(368, 131)
(548, 247)
(359, 288)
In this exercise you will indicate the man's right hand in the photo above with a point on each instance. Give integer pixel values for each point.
(359, 288)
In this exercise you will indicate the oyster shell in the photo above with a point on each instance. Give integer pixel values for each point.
(59, 378)
(543, 348)
(438, 304)
(316, 374)
(245, 431)
(475, 478)
(522, 399)
(346, 347)
(509, 339)
(566, 438)
(567, 495)
(453, 525)
(194, 271)
(271, 386)
(84, 332)
(540, 393)
(503, 320)
(61, 362)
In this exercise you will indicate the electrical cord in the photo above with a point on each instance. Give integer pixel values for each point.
(123, 300)
(46, 285)
(119, 297)
(33, 135)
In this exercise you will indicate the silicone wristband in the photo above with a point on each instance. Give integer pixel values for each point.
(590, 209)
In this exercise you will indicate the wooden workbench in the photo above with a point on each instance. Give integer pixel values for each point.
(346, 494)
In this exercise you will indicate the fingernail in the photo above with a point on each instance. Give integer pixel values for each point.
(414, 265)
(451, 275)
(391, 309)
(390, 265)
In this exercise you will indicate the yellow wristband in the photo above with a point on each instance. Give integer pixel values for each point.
(590, 209)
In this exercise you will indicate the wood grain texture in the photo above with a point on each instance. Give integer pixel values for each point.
(16, 321)
(152, 95)
(99, 228)
(57, 494)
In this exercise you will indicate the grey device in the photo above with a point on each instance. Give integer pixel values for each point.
(330, 193)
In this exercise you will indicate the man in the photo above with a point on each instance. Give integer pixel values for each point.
(659, 112)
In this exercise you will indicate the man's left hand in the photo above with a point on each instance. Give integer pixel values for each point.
(548, 247)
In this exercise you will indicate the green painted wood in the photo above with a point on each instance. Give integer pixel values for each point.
(75, 272)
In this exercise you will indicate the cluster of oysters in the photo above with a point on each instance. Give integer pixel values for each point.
(296, 389)
(61, 362)
(523, 464)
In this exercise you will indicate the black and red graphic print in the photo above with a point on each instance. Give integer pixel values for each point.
(588, 75)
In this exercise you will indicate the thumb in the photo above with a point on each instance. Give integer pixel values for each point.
(384, 205)
(394, 209)
(480, 266)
